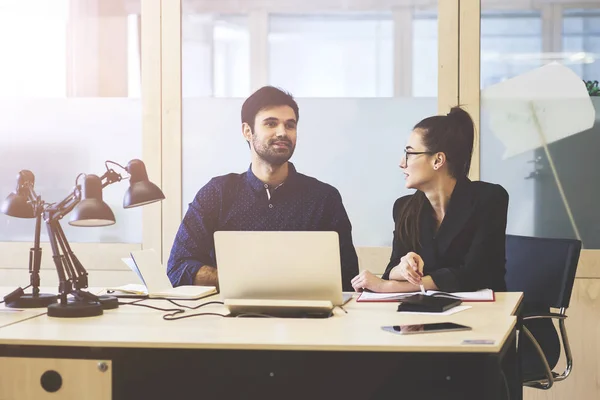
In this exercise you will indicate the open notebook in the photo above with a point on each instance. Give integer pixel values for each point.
(155, 283)
(480, 295)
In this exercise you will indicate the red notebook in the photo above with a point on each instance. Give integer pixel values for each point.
(480, 295)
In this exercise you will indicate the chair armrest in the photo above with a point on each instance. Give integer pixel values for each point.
(549, 381)
(547, 384)
(543, 316)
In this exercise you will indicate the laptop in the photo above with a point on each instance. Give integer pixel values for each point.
(282, 273)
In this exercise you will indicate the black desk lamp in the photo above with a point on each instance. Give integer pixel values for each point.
(89, 210)
(25, 203)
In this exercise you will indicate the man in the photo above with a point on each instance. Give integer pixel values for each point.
(269, 196)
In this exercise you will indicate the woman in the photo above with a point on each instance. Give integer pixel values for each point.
(450, 234)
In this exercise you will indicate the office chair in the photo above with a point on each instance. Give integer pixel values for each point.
(544, 270)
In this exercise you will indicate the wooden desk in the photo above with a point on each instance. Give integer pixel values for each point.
(347, 355)
(9, 316)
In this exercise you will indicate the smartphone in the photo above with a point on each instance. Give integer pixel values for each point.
(426, 328)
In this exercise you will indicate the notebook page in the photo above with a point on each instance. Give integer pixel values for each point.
(480, 295)
(131, 288)
(371, 296)
(185, 292)
(150, 267)
(129, 262)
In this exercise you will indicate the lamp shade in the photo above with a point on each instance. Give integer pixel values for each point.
(18, 206)
(17, 203)
(92, 210)
(141, 191)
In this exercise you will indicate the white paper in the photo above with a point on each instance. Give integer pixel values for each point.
(147, 266)
(559, 97)
(185, 292)
(131, 288)
(370, 296)
(151, 270)
(131, 264)
(451, 311)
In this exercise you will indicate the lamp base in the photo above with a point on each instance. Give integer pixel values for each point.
(40, 300)
(75, 309)
(108, 302)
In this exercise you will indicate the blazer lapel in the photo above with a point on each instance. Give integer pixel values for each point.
(459, 210)
(426, 233)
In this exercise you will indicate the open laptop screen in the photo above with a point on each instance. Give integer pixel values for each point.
(279, 265)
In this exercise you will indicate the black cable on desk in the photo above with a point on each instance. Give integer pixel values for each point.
(138, 304)
(173, 316)
(15, 294)
(173, 312)
(191, 308)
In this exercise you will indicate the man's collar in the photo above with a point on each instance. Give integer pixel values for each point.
(258, 185)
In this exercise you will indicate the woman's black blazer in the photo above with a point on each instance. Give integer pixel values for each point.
(468, 251)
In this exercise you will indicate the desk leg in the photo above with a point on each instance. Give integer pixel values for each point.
(511, 366)
(518, 384)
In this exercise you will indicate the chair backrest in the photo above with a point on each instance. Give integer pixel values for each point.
(542, 268)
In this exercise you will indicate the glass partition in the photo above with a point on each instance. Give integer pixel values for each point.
(512, 43)
(69, 94)
(362, 79)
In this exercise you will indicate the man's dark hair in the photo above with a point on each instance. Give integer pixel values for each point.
(266, 97)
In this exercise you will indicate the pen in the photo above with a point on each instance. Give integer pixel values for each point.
(421, 283)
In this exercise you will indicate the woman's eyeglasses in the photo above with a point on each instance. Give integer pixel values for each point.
(408, 153)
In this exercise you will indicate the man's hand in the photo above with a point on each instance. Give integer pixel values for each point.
(366, 280)
(409, 269)
(207, 276)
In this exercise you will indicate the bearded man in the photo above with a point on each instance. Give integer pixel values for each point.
(270, 196)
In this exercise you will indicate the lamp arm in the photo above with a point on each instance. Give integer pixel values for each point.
(35, 255)
(68, 265)
(56, 212)
(71, 273)
(110, 177)
(79, 273)
(35, 252)
(65, 286)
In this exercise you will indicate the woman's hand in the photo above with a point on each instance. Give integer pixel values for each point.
(366, 280)
(409, 269)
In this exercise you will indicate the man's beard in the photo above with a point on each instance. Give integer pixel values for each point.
(269, 154)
